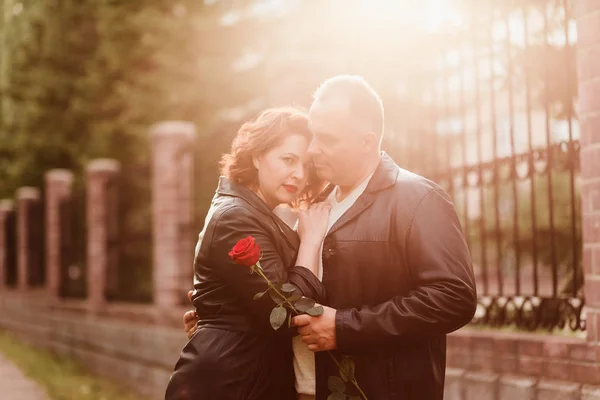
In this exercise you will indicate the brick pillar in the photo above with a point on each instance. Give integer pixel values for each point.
(7, 245)
(29, 238)
(58, 189)
(172, 212)
(588, 66)
(102, 219)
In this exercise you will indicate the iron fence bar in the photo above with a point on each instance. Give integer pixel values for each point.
(571, 159)
(549, 158)
(437, 115)
(480, 178)
(495, 151)
(463, 120)
(513, 164)
(530, 158)
(447, 118)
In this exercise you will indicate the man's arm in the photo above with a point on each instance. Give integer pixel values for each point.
(444, 297)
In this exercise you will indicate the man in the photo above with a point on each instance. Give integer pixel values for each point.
(395, 264)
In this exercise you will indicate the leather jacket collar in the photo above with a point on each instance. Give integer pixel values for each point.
(385, 176)
(229, 188)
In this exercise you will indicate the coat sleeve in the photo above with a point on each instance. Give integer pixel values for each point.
(234, 224)
(443, 297)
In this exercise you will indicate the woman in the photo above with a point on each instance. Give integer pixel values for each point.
(235, 353)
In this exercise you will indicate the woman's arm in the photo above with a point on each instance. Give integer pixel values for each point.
(225, 230)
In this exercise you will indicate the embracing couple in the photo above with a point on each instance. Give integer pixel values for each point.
(379, 247)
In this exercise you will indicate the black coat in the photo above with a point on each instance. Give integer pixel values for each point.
(397, 269)
(236, 354)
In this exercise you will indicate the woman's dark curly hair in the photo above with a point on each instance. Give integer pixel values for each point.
(260, 135)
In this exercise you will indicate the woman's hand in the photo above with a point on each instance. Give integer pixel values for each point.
(312, 223)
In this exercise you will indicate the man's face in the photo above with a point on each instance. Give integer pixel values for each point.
(337, 147)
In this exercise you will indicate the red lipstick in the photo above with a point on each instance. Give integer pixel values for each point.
(290, 188)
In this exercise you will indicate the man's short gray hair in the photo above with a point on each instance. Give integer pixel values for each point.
(363, 101)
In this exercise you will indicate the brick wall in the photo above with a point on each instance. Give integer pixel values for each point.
(173, 241)
(138, 346)
(495, 365)
(139, 354)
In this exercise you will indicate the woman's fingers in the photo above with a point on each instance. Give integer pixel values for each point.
(320, 207)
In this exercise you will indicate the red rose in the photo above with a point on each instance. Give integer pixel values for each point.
(245, 252)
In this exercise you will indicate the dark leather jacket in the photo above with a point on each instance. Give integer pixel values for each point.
(236, 354)
(397, 269)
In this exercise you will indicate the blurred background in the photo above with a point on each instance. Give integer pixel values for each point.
(479, 96)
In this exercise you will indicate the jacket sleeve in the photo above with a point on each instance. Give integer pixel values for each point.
(443, 297)
(236, 223)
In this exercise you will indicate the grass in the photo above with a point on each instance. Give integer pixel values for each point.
(61, 378)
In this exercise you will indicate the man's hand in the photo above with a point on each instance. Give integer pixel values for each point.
(317, 332)
(190, 319)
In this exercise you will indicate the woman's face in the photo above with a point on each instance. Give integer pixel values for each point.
(283, 170)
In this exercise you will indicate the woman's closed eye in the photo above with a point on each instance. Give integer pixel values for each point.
(289, 160)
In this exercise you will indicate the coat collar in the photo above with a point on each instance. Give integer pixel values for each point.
(384, 176)
(229, 188)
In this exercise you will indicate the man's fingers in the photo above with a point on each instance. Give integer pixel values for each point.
(191, 332)
(305, 330)
(301, 320)
(313, 347)
(309, 340)
(189, 316)
(190, 328)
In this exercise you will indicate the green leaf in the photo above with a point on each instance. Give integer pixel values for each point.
(347, 369)
(293, 298)
(277, 317)
(315, 311)
(288, 288)
(276, 298)
(304, 304)
(259, 295)
(336, 384)
(336, 396)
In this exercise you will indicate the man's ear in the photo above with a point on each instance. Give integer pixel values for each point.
(370, 141)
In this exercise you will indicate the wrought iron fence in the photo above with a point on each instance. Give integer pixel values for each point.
(9, 253)
(497, 128)
(130, 236)
(73, 237)
(128, 242)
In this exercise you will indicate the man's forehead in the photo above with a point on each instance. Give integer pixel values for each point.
(327, 115)
(330, 105)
